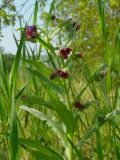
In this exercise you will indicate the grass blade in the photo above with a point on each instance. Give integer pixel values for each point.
(35, 13)
(12, 84)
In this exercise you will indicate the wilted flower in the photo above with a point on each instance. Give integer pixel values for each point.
(59, 73)
(76, 26)
(79, 55)
(78, 105)
(53, 17)
(31, 33)
(102, 74)
(55, 74)
(65, 52)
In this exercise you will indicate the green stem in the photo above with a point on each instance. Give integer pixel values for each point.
(70, 135)
(70, 149)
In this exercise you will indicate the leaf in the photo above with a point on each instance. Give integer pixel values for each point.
(58, 28)
(21, 90)
(12, 85)
(3, 75)
(35, 13)
(37, 155)
(65, 115)
(45, 80)
(51, 9)
(112, 114)
(15, 39)
(13, 131)
(43, 150)
(46, 45)
(51, 123)
(39, 66)
(14, 70)
(88, 134)
(54, 104)
(78, 152)
(98, 142)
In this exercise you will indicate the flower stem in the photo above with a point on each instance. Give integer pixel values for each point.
(70, 135)
(70, 150)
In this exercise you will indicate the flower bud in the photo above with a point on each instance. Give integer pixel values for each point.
(78, 105)
(59, 73)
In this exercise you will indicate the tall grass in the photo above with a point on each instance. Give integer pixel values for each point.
(38, 116)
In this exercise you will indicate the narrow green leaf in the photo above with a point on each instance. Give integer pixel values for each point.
(98, 142)
(46, 45)
(3, 75)
(51, 123)
(46, 81)
(40, 148)
(13, 131)
(112, 114)
(54, 104)
(78, 152)
(14, 70)
(12, 84)
(58, 28)
(35, 13)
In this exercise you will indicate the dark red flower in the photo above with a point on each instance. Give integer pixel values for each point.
(78, 105)
(63, 74)
(59, 73)
(31, 32)
(65, 52)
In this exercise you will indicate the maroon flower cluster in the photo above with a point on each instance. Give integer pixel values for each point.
(31, 32)
(59, 73)
(78, 105)
(65, 52)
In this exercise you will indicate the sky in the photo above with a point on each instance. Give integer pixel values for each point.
(8, 42)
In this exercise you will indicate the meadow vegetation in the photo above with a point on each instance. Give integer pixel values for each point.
(60, 100)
